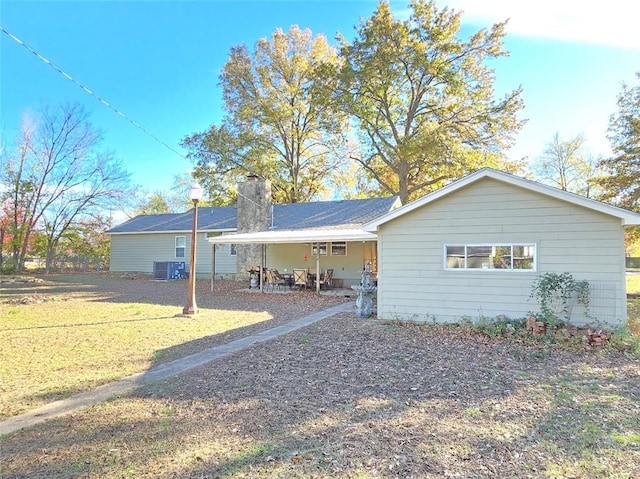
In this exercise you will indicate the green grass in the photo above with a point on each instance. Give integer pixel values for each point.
(633, 284)
(54, 349)
(633, 305)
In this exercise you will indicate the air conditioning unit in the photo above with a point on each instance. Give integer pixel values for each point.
(160, 269)
(177, 270)
(169, 270)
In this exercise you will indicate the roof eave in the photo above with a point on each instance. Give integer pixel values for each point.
(295, 236)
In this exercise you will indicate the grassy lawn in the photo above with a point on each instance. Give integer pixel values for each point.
(54, 348)
(346, 397)
(633, 305)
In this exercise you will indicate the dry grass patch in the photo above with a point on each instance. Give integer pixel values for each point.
(77, 332)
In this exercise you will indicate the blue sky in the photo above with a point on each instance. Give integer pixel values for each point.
(158, 63)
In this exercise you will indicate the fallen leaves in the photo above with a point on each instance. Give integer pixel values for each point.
(350, 397)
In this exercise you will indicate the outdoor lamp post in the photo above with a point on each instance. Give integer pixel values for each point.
(191, 308)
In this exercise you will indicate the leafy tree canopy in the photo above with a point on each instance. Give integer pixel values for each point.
(278, 122)
(621, 179)
(424, 99)
(566, 165)
(155, 204)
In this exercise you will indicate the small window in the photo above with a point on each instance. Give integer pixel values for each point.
(322, 247)
(491, 257)
(181, 246)
(232, 250)
(339, 249)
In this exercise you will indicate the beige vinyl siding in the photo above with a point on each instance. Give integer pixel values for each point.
(137, 253)
(415, 286)
(348, 268)
(226, 264)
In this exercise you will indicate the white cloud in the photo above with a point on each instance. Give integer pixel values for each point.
(611, 23)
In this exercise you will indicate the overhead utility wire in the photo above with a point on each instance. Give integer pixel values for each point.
(101, 100)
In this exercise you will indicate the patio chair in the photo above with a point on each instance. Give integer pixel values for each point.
(275, 279)
(326, 279)
(278, 279)
(301, 277)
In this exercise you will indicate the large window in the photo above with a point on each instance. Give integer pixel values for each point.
(181, 246)
(491, 256)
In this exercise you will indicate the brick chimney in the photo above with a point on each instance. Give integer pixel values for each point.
(254, 214)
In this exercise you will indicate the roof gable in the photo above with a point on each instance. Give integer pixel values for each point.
(628, 218)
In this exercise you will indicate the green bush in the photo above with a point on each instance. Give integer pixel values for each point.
(560, 288)
(9, 267)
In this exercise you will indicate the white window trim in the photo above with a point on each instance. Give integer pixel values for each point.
(340, 243)
(175, 247)
(491, 270)
(326, 248)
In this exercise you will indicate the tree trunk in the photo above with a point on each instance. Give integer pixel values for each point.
(51, 256)
(403, 181)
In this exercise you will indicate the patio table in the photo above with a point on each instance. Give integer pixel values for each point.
(288, 278)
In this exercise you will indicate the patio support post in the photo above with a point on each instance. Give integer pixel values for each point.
(263, 265)
(213, 265)
(317, 285)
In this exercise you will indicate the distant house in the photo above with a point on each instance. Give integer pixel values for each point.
(297, 235)
(473, 249)
(147, 239)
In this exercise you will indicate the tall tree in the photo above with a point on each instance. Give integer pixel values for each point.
(423, 99)
(278, 123)
(16, 192)
(154, 205)
(57, 176)
(87, 242)
(565, 165)
(621, 182)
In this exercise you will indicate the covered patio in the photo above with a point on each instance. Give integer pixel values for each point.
(345, 250)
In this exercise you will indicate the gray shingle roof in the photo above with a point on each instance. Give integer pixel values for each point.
(330, 214)
(209, 219)
(320, 214)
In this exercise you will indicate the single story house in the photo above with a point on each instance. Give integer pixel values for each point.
(231, 240)
(138, 244)
(474, 248)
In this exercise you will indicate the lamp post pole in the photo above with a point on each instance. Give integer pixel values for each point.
(191, 308)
